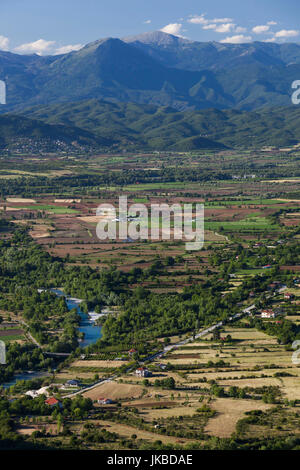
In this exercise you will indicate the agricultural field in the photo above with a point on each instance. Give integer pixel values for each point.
(153, 300)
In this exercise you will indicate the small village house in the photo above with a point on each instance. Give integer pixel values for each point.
(52, 401)
(72, 383)
(143, 372)
(104, 401)
(132, 351)
(268, 314)
(288, 296)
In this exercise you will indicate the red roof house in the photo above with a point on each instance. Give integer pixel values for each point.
(51, 401)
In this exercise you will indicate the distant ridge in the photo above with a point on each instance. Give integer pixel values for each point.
(129, 125)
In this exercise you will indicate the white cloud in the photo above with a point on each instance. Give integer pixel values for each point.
(219, 25)
(284, 33)
(200, 19)
(43, 47)
(147, 22)
(69, 48)
(40, 47)
(261, 29)
(240, 29)
(225, 28)
(227, 25)
(4, 42)
(238, 39)
(209, 26)
(172, 28)
(221, 20)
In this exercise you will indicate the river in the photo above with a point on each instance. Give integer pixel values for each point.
(87, 326)
(25, 376)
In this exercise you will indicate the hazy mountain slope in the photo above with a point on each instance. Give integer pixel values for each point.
(157, 69)
(193, 55)
(114, 70)
(255, 75)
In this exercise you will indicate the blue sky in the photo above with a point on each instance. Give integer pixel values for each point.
(57, 26)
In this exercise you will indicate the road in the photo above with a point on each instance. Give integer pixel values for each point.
(29, 334)
(202, 333)
(83, 390)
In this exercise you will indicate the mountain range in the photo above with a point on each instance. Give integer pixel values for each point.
(153, 91)
(157, 69)
(104, 125)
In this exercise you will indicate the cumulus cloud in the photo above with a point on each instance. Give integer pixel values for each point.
(238, 33)
(219, 25)
(43, 47)
(221, 20)
(209, 26)
(287, 33)
(238, 39)
(240, 29)
(40, 47)
(4, 43)
(261, 29)
(69, 48)
(225, 28)
(200, 19)
(173, 28)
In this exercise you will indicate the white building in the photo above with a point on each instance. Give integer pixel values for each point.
(268, 314)
(37, 393)
(143, 372)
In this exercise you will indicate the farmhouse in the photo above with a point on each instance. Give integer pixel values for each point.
(104, 401)
(268, 314)
(52, 402)
(272, 286)
(132, 351)
(72, 383)
(143, 372)
(288, 296)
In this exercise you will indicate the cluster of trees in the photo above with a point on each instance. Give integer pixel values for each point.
(24, 406)
(92, 434)
(21, 358)
(147, 315)
(285, 331)
(29, 186)
(168, 383)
